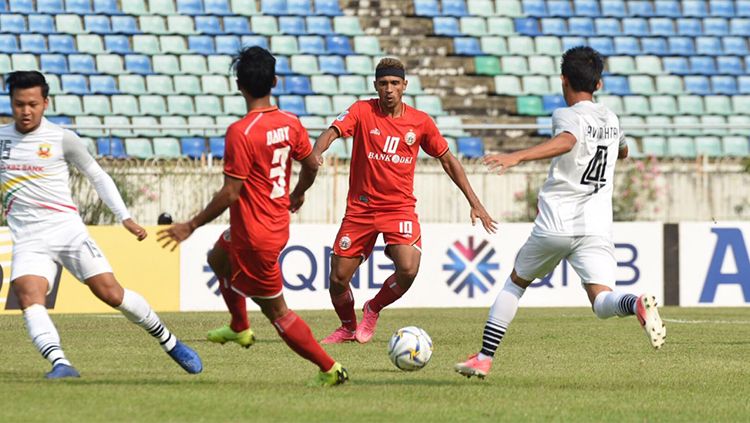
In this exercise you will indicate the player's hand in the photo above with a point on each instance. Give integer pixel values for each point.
(318, 158)
(296, 201)
(500, 163)
(174, 234)
(478, 212)
(135, 229)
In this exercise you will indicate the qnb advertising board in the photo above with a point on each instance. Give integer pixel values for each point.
(462, 266)
(714, 264)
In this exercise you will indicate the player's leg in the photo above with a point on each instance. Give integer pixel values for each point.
(136, 309)
(238, 330)
(537, 257)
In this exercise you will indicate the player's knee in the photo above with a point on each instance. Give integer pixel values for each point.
(339, 279)
(407, 272)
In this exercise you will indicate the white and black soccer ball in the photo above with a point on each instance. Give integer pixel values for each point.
(410, 348)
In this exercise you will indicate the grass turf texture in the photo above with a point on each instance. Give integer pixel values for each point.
(554, 365)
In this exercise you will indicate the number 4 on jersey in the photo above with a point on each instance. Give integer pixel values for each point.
(595, 170)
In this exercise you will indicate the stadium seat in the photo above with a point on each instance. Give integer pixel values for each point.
(743, 84)
(542, 65)
(332, 65)
(52, 63)
(293, 103)
(216, 7)
(603, 45)
(339, 45)
(273, 7)
(536, 85)
(32, 43)
(508, 85)
(324, 84)
(48, 6)
(74, 84)
(637, 27)
(292, 25)
(358, 65)
(581, 26)
(328, 7)
(655, 46)
(90, 43)
(552, 102)
(264, 25)
(534, 7)
(734, 46)
(654, 146)
(667, 8)
(339, 103)
(586, 8)
(236, 25)
(126, 105)
(713, 120)
(530, 105)
(702, 65)
(681, 147)
(607, 27)
(470, 147)
(636, 105)
(208, 25)
(723, 84)
(118, 44)
(613, 8)
(681, 46)
(319, 25)
(70, 103)
(311, 44)
(551, 26)
(628, 46)
(621, 65)
(617, 85)
(282, 65)
(500, 26)
(285, 45)
(106, 7)
(216, 147)
(708, 46)
(110, 147)
(227, 44)
(697, 84)
(193, 64)
(495, 46)
(454, 8)
(676, 65)
(480, 8)
(526, 26)
(719, 104)
(168, 148)
(685, 131)
(20, 6)
(132, 84)
(446, 26)
(427, 8)
(367, 45)
(689, 27)
(318, 105)
(450, 126)
(297, 84)
(15, 24)
(734, 146)
(97, 105)
(694, 8)
(188, 7)
(690, 104)
(152, 105)
(641, 84)
(210, 105)
(640, 8)
(741, 104)
(657, 124)
(103, 84)
(41, 24)
(628, 123)
(97, 24)
(429, 104)
(466, 46)
(669, 84)
(139, 148)
(160, 84)
(81, 63)
(193, 147)
(126, 25)
(182, 25)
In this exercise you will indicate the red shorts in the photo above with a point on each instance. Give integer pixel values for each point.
(256, 273)
(358, 232)
(224, 241)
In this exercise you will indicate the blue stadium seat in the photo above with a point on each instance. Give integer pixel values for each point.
(627, 46)
(201, 44)
(297, 84)
(655, 46)
(292, 25)
(49, 6)
(61, 44)
(617, 85)
(97, 24)
(125, 25)
(447, 26)
(607, 26)
(635, 26)
(53, 63)
(570, 42)
(527, 26)
(273, 7)
(280, 88)
(534, 8)
(216, 145)
(103, 84)
(715, 26)
(661, 26)
(729, 65)
(735, 46)
(5, 109)
(667, 8)
(208, 25)
(721, 8)
(724, 84)
(318, 25)
(695, 8)
(466, 46)
(111, 147)
(328, 8)
(701, 65)
(554, 26)
(193, 147)
(681, 46)
(117, 44)
(282, 66)
(15, 24)
(33, 43)
(78, 7)
(709, 46)
(254, 40)
(311, 44)
(21, 6)
(675, 65)
(640, 8)
(559, 8)
(106, 7)
(470, 147)
(60, 120)
(552, 102)
(190, 7)
(227, 44)
(583, 27)
(236, 25)
(138, 63)
(603, 45)
(217, 7)
(81, 63)
(689, 27)
(743, 84)
(586, 8)
(740, 27)
(332, 65)
(695, 84)
(427, 8)
(614, 8)
(455, 8)
(74, 84)
(41, 24)
(293, 104)
(339, 45)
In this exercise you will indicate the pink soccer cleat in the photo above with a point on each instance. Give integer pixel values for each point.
(339, 336)
(366, 328)
(648, 317)
(473, 366)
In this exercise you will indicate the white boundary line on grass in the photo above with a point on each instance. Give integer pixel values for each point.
(697, 322)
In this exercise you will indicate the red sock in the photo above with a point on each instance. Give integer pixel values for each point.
(237, 307)
(344, 306)
(389, 292)
(295, 332)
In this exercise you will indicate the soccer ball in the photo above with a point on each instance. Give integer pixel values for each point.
(410, 348)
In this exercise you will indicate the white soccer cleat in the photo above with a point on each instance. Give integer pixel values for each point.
(648, 316)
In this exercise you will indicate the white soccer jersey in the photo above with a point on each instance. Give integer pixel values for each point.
(576, 198)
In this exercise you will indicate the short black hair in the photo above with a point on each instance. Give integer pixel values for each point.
(582, 67)
(255, 68)
(26, 79)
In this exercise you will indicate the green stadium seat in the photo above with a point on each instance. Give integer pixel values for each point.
(690, 104)
(215, 84)
(5, 64)
(414, 84)
(139, 148)
(54, 84)
(708, 146)
(613, 102)
(195, 123)
(24, 62)
(714, 120)
(555, 84)
(69, 24)
(91, 44)
(264, 25)
(429, 104)
(71, 104)
(131, 84)
(318, 105)
(159, 84)
(493, 45)
(634, 150)
(324, 84)
(650, 65)
(160, 7)
(174, 44)
(367, 45)
(182, 25)
(521, 46)
(636, 105)
(654, 146)
(621, 65)
(536, 85)
(97, 105)
(511, 8)
(657, 125)
(181, 105)
(451, 126)
(358, 65)
(514, 65)
(735, 121)
(89, 121)
(112, 121)
(194, 64)
(146, 44)
(474, 26)
(245, 7)
(543, 65)
(718, 105)
(641, 84)
(235, 105)
(530, 105)
(663, 105)
(187, 84)
(480, 7)
(669, 84)
(548, 46)
(508, 85)
(306, 64)
(681, 147)
(168, 148)
(487, 65)
(152, 105)
(347, 25)
(134, 7)
(110, 64)
(145, 121)
(736, 146)
(626, 121)
(154, 25)
(342, 102)
(500, 26)
(686, 120)
(178, 126)
(166, 64)
(220, 64)
(285, 45)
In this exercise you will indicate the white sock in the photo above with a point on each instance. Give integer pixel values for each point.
(44, 334)
(502, 313)
(137, 310)
(614, 303)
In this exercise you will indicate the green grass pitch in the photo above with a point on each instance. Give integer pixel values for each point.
(554, 365)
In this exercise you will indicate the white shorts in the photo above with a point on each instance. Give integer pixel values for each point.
(43, 247)
(592, 257)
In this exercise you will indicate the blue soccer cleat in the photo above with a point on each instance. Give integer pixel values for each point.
(186, 358)
(60, 371)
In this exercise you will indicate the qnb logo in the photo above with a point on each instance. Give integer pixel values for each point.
(471, 267)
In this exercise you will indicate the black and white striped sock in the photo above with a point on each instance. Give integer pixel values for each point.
(502, 313)
(493, 334)
(44, 334)
(627, 305)
(137, 310)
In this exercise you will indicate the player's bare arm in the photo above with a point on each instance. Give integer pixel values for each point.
(456, 172)
(323, 142)
(135, 229)
(307, 175)
(560, 144)
(228, 194)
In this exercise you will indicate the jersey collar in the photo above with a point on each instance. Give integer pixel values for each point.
(264, 110)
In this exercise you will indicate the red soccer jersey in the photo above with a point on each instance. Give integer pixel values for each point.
(384, 155)
(259, 149)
